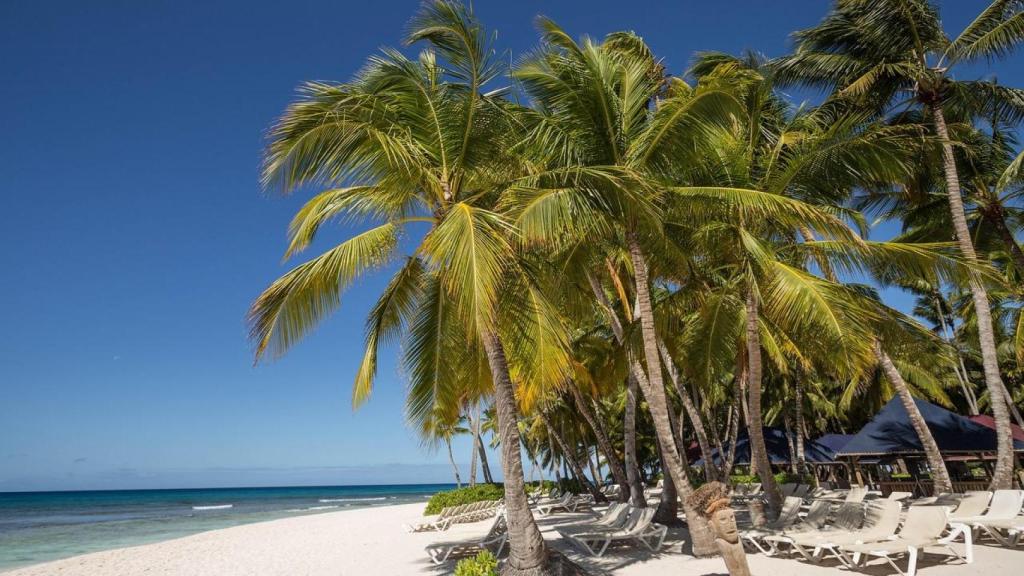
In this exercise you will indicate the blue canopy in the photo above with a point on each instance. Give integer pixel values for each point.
(834, 442)
(891, 433)
(778, 449)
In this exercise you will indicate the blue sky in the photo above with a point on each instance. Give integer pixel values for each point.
(135, 235)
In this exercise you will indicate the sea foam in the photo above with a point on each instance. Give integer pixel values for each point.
(216, 507)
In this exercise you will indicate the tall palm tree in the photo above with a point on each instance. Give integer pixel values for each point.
(595, 124)
(876, 52)
(420, 143)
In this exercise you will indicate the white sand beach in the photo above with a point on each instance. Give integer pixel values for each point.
(372, 541)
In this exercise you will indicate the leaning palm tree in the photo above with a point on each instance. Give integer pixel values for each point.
(442, 431)
(877, 53)
(418, 151)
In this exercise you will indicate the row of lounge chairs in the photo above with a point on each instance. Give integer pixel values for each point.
(472, 512)
(619, 523)
(494, 539)
(880, 529)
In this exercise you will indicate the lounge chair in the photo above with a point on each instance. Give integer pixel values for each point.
(614, 518)
(568, 502)
(788, 516)
(923, 528)
(856, 494)
(744, 492)
(849, 517)
(802, 491)
(815, 519)
(1003, 515)
(900, 496)
(881, 519)
(639, 528)
(495, 538)
(472, 512)
(439, 522)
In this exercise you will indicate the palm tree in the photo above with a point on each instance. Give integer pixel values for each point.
(872, 52)
(593, 129)
(424, 144)
(443, 431)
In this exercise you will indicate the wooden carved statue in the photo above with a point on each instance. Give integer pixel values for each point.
(713, 500)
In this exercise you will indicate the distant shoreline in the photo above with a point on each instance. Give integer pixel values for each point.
(53, 525)
(91, 490)
(356, 541)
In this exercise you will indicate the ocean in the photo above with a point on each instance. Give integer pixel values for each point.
(42, 526)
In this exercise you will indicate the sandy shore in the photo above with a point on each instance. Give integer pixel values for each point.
(372, 541)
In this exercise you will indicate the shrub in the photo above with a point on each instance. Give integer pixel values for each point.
(565, 485)
(483, 564)
(466, 495)
(787, 478)
(781, 478)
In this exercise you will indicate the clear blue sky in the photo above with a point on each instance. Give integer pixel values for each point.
(134, 234)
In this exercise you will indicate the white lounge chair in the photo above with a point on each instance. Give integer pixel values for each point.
(568, 502)
(495, 538)
(439, 522)
(856, 494)
(922, 528)
(1003, 515)
(815, 519)
(638, 528)
(788, 516)
(849, 517)
(881, 519)
(614, 518)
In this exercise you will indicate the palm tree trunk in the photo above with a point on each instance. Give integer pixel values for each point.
(755, 431)
(636, 485)
(798, 407)
(636, 488)
(668, 506)
(1002, 477)
(455, 467)
(653, 388)
(484, 465)
(527, 554)
(603, 442)
(730, 457)
(593, 460)
(790, 441)
(940, 476)
(473, 452)
(965, 383)
(569, 457)
(698, 423)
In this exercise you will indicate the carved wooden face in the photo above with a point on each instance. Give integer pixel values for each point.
(723, 522)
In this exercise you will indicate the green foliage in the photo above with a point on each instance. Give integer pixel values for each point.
(483, 564)
(781, 478)
(466, 495)
(787, 478)
(565, 485)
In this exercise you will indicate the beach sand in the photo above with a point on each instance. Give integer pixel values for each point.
(371, 541)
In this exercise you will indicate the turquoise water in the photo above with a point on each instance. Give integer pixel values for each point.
(41, 526)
